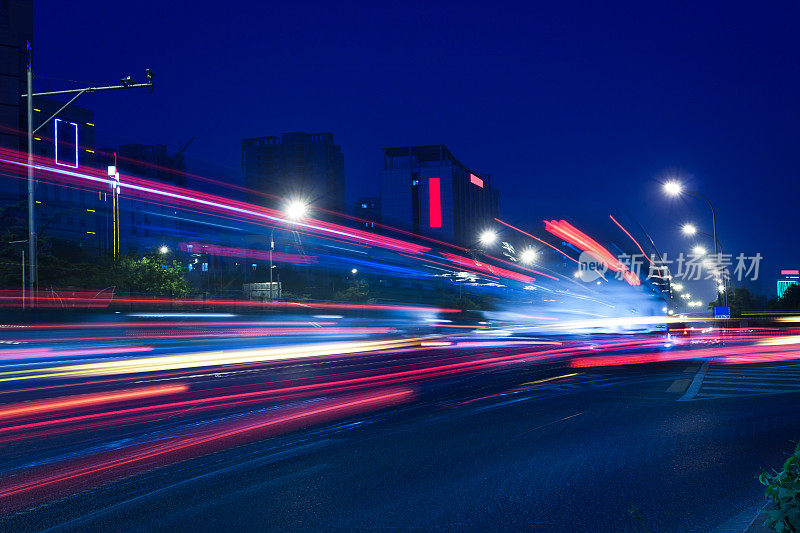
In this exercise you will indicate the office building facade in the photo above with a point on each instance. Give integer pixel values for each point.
(67, 213)
(16, 31)
(80, 216)
(304, 166)
(426, 190)
(787, 279)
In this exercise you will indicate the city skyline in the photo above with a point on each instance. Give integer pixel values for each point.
(414, 266)
(622, 136)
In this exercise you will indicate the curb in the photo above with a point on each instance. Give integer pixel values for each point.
(757, 523)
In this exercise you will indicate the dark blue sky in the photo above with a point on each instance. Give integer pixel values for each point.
(576, 109)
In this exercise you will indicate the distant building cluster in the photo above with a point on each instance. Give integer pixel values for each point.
(787, 279)
(424, 190)
(304, 166)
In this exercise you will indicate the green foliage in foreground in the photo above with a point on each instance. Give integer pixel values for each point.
(783, 490)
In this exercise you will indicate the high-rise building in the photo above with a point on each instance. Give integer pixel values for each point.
(152, 162)
(305, 166)
(66, 213)
(16, 32)
(786, 280)
(63, 211)
(426, 190)
(368, 210)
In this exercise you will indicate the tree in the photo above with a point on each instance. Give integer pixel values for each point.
(356, 291)
(741, 300)
(150, 274)
(790, 301)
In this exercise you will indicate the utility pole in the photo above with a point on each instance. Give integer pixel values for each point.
(31, 221)
(125, 83)
(271, 247)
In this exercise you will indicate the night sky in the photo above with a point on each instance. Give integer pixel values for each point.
(575, 109)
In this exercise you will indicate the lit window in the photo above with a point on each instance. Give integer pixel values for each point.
(415, 182)
(204, 267)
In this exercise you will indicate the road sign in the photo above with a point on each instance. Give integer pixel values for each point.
(722, 312)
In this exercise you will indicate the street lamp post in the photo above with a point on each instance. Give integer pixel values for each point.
(31, 221)
(691, 230)
(295, 210)
(487, 237)
(674, 188)
(23, 269)
(125, 83)
(271, 247)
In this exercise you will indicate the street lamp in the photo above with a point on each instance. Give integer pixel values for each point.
(527, 256)
(699, 250)
(717, 245)
(163, 250)
(23, 269)
(354, 271)
(294, 210)
(675, 188)
(488, 237)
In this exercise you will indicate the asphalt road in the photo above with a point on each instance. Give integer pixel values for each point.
(666, 447)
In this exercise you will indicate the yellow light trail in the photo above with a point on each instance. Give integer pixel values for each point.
(206, 359)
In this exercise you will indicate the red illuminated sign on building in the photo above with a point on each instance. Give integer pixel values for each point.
(476, 180)
(790, 272)
(435, 197)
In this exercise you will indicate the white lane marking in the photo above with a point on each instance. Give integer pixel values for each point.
(694, 386)
(751, 389)
(709, 384)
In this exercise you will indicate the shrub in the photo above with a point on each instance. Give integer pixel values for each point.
(783, 489)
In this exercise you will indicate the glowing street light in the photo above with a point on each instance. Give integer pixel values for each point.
(296, 209)
(163, 250)
(527, 256)
(677, 286)
(673, 188)
(354, 271)
(689, 229)
(699, 250)
(488, 237)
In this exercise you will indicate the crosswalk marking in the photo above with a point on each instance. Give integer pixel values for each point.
(723, 381)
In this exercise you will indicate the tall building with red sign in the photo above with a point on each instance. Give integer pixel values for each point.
(426, 190)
